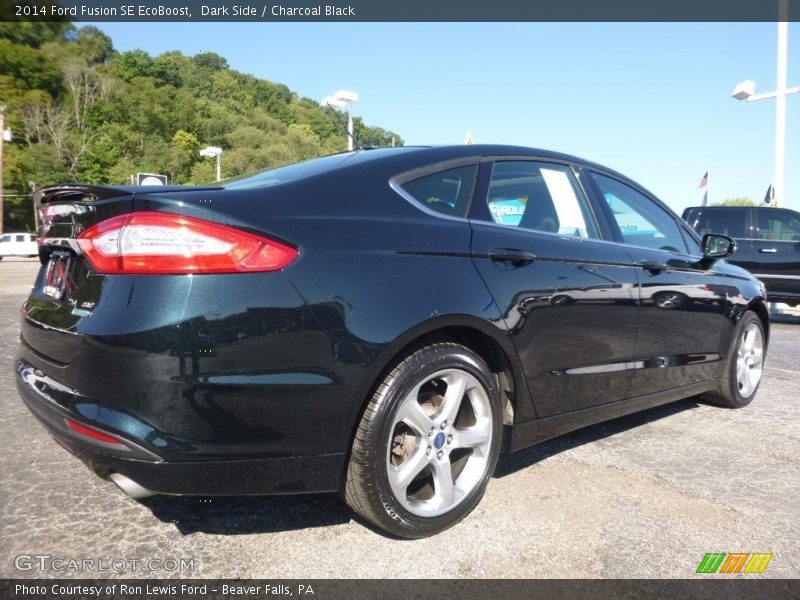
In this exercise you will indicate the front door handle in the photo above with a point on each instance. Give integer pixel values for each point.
(515, 257)
(768, 250)
(653, 266)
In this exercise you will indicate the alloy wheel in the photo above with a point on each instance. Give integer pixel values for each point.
(441, 441)
(749, 360)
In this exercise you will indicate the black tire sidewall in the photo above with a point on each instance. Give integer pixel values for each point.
(421, 365)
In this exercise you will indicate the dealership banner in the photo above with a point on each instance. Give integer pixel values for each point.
(406, 10)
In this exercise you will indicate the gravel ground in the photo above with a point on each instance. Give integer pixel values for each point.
(640, 497)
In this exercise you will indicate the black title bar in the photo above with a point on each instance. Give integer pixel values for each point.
(401, 10)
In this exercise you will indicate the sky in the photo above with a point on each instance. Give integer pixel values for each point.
(651, 100)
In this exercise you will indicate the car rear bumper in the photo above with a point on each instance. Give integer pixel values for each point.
(140, 463)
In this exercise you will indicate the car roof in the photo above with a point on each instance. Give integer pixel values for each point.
(392, 161)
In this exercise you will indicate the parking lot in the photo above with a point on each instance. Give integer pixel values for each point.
(639, 497)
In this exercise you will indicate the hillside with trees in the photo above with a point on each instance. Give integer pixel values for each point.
(81, 111)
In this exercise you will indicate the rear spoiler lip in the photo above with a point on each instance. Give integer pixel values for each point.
(78, 191)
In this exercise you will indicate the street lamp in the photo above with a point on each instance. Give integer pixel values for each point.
(341, 100)
(213, 152)
(745, 91)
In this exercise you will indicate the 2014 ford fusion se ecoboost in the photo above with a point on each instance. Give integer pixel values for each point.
(381, 322)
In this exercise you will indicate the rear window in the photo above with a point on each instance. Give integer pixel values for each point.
(446, 192)
(287, 173)
(727, 222)
(308, 168)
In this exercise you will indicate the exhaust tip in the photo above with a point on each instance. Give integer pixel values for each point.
(130, 487)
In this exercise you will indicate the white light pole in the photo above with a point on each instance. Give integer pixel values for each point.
(340, 100)
(213, 152)
(746, 91)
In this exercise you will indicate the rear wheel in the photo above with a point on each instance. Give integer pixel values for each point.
(427, 443)
(744, 366)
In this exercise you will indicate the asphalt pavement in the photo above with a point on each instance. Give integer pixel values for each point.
(645, 496)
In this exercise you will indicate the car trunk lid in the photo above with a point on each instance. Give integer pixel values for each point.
(67, 289)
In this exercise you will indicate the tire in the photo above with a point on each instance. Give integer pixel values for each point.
(743, 367)
(421, 459)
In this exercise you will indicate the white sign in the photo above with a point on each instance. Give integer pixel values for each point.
(150, 179)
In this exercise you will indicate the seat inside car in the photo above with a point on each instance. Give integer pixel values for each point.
(540, 212)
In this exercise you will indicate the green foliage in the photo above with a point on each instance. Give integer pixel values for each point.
(29, 67)
(735, 202)
(94, 45)
(34, 33)
(210, 60)
(130, 65)
(82, 111)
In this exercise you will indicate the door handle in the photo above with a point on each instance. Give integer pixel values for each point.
(653, 266)
(768, 250)
(515, 257)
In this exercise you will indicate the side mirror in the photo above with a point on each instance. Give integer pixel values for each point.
(717, 246)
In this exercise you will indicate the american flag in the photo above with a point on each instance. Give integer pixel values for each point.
(703, 181)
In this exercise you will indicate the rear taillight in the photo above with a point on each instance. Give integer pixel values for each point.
(164, 243)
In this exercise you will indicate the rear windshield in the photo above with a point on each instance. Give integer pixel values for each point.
(287, 173)
(307, 168)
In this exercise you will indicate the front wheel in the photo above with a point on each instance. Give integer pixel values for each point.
(427, 443)
(744, 365)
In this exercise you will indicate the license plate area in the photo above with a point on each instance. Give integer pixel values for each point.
(57, 279)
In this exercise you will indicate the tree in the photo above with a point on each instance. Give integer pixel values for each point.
(171, 68)
(374, 136)
(34, 33)
(82, 111)
(131, 64)
(735, 202)
(185, 151)
(93, 45)
(30, 67)
(211, 61)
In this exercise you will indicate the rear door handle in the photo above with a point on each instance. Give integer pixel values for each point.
(653, 266)
(768, 250)
(515, 257)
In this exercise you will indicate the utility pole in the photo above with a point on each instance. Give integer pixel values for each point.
(2, 138)
(32, 185)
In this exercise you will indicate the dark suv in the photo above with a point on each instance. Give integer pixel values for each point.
(768, 241)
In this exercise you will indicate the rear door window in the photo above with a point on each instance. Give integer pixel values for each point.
(778, 225)
(539, 196)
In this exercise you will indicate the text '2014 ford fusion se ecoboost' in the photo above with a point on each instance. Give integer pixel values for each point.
(381, 322)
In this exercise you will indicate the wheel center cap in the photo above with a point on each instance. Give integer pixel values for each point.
(438, 441)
